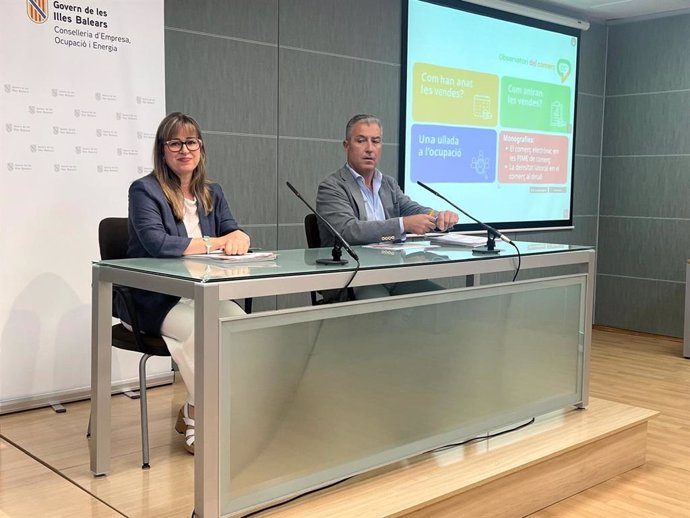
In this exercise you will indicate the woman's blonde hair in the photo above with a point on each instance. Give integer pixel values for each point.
(168, 180)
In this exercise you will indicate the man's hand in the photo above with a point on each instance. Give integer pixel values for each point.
(236, 243)
(419, 223)
(446, 220)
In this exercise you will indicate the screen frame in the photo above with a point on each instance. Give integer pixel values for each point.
(517, 226)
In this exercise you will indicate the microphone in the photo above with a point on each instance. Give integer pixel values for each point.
(339, 240)
(492, 232)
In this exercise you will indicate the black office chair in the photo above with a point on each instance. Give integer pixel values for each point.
(112, 240)
(311, 229)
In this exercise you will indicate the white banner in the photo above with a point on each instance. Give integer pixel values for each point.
(82, 92)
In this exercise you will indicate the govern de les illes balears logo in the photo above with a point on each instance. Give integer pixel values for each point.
(37, 10)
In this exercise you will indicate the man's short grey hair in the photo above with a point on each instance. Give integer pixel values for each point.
(362, 117)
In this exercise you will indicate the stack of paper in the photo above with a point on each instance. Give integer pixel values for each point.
(459, 240)
(428, 235)
(248, 257)
(244, 258)
(401, 246)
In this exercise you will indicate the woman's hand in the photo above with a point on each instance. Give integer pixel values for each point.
(236, 243)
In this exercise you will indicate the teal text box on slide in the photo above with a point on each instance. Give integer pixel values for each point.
(534, 105)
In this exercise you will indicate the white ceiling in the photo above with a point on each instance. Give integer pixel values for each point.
(609, 10)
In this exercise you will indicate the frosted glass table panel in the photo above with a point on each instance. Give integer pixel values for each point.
(309, 396)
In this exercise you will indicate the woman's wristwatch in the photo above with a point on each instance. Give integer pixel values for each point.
(207, 243)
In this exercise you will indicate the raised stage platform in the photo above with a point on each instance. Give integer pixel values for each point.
(512, 475)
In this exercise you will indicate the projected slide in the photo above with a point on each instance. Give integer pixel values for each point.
(489, 114)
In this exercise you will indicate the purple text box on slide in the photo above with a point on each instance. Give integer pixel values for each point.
(452, 154)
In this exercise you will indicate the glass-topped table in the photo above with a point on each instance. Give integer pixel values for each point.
(303, 262)
(297, 334)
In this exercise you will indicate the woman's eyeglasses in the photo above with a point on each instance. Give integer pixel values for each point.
(175, 145)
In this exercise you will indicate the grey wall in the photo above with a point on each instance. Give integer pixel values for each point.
(273, 83)
(644, 235)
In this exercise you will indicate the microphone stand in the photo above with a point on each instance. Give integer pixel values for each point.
(336, 252)
(336, 255)
(491, 232)
(490, 247)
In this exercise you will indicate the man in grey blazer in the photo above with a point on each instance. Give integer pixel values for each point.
(366, 206)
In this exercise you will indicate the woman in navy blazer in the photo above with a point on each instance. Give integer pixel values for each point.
(175, 211)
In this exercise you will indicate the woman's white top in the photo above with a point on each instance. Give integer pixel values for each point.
(191, 218)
